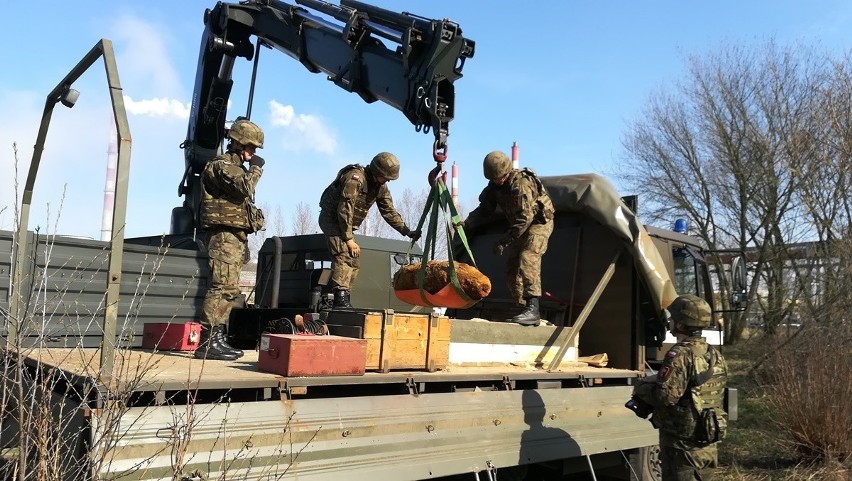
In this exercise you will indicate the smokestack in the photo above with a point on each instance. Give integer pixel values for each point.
(109, 187)
(455, 185)
(515, 160)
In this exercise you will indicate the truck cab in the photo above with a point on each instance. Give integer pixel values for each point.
(303, 264)
(686, 264)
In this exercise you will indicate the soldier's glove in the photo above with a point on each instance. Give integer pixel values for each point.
(458, 225)
(257, 160)
(414, 234)
(499, 247)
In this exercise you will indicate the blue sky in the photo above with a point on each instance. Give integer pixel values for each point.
(560, 78)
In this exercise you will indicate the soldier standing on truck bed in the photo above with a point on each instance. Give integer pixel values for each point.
(229, 215)
(344, 205)
(687, 395)
(529, 211)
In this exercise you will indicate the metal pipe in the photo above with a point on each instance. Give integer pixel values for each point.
(390, 18)
(226, 68)
(383, 31)
(320, 21)
(276, 275)
(336, 11)
(591, 468)
(102, 49)
(253, 78)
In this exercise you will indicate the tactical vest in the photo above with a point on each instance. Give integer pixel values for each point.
(220, 208)
(706, 392)
(545, 205)
(330, 198)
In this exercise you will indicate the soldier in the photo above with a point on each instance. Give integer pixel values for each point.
(344, 205)
(228, 215)
(687, 395)
(529, 211)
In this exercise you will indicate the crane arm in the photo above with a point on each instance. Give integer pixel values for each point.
(347, 42)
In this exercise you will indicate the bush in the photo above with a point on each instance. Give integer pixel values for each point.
(806, 380)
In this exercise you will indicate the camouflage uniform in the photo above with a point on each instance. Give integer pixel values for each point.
(529, 211)
(228, 191)
(678, 395)
(343, 207)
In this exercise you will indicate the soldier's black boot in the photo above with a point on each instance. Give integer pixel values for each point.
(219, 332)
(341, 299)
(209, 347)
(530, 316)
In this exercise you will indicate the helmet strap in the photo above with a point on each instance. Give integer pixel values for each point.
(232, 148)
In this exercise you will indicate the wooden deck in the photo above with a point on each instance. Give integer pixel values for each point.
(143, 370)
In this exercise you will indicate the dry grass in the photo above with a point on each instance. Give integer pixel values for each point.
(763, 444)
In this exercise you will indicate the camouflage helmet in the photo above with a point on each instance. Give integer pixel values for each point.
(691, 311)
(246, 133)
(496, 165)
(386, 165)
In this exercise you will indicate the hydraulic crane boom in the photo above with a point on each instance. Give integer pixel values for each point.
(416, 77)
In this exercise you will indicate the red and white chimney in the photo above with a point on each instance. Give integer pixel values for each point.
(515, 157)
(109, 187)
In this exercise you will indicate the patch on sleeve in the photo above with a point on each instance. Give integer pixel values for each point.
(671, 354)
(664, 373)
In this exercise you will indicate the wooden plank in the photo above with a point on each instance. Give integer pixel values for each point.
(438, 350)
(584, 314)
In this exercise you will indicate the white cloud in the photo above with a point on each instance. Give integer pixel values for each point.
(157, 107)
(302, 131)
(143, 57)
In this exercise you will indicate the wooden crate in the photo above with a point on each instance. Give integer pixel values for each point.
(396, 340)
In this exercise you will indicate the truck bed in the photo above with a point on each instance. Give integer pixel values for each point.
(239, 423)
(142, 370)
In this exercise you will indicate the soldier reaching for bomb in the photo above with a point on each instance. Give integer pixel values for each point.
(687, 395)
(344, 205)
(529, 211)
(228, 214)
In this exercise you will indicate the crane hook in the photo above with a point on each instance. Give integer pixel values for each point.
(439, 151)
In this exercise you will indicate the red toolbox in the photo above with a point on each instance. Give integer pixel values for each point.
(166, 336)
(310, 355)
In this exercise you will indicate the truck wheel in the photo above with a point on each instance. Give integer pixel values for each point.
(645, 463)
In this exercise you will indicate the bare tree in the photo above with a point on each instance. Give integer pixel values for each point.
(734, 147)
(304, 221)
(277, 227)
(409, 205)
